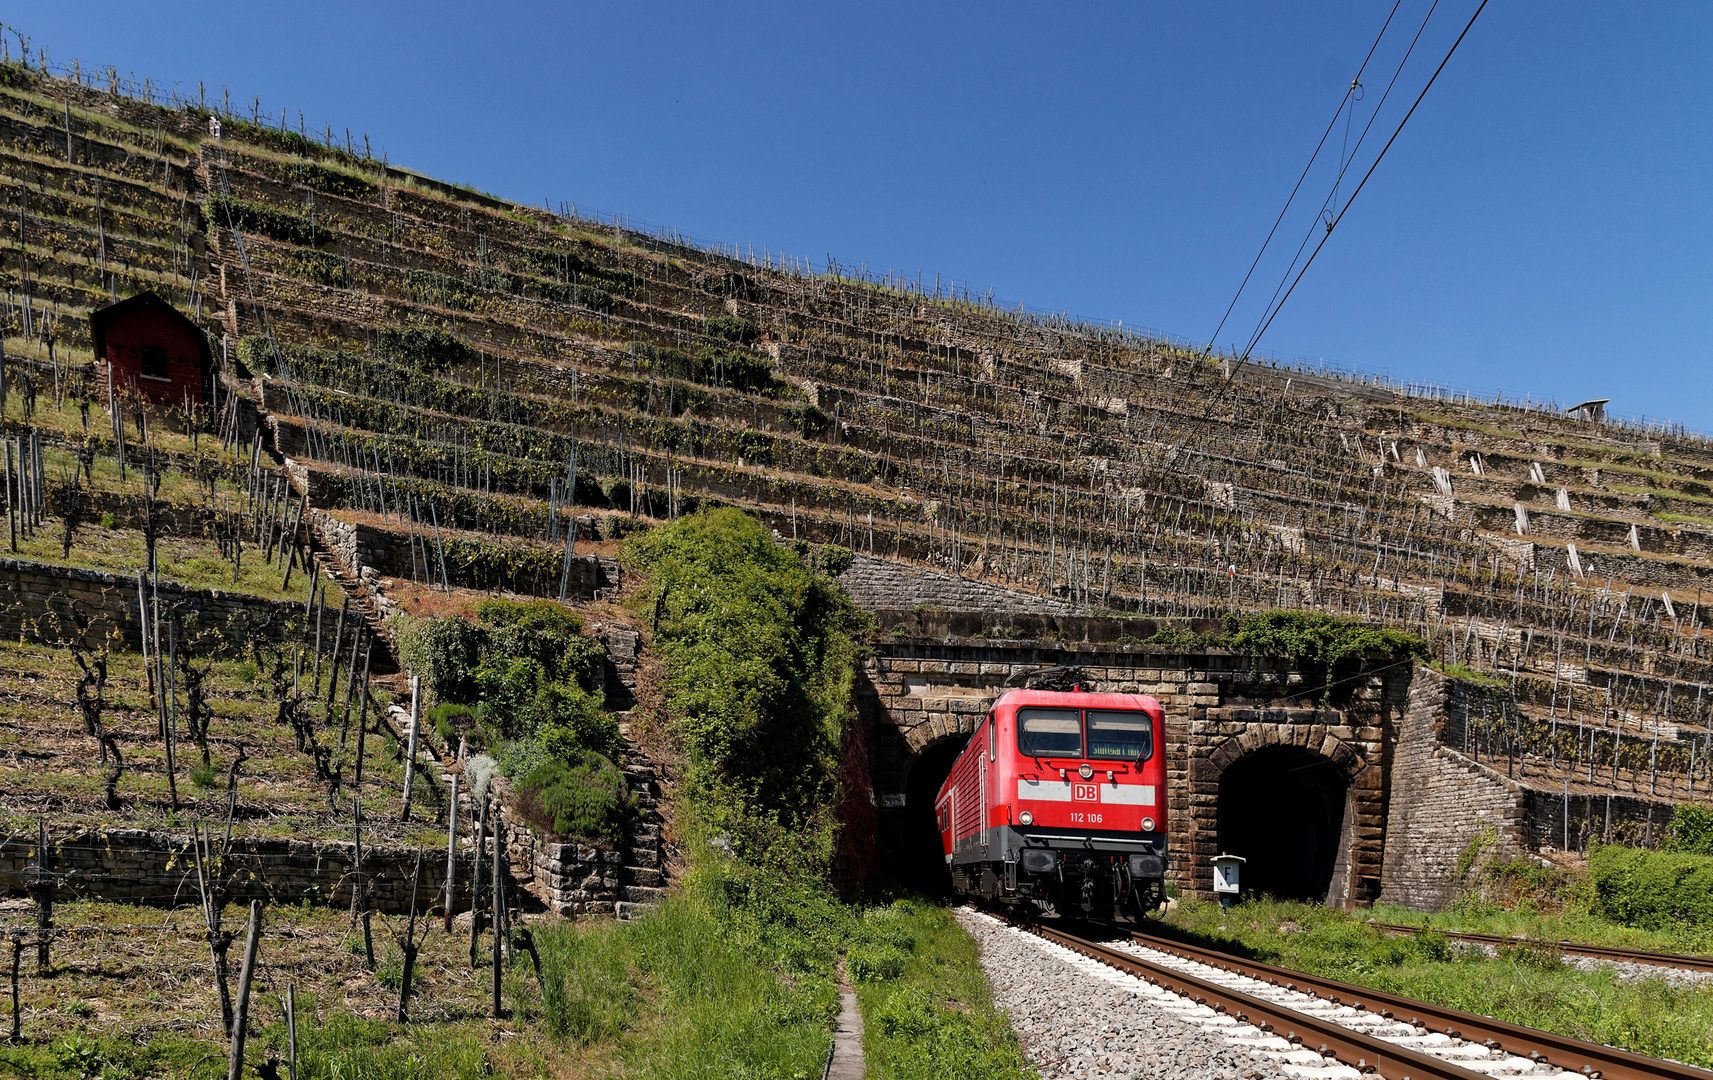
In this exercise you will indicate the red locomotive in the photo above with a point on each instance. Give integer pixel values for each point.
(1059, 800)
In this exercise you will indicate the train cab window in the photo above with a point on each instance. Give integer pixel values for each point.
(1050, 732)
(992, 728)
(944, 816)
(1126, 735)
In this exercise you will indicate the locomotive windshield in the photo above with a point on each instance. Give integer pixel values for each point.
(1122, 736)
(1050, 732)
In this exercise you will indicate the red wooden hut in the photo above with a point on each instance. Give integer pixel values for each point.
(152, 348)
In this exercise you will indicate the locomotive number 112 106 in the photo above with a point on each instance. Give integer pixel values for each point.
(1086, 819)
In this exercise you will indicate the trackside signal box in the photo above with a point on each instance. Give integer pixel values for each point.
(1227, 871)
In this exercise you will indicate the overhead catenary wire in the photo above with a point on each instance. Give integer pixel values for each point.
(1255, 340)
(1344, 102)
(1346, 156)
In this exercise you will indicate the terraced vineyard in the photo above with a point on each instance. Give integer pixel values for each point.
(458, 381)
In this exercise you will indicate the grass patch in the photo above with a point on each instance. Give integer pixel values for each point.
(926, 1008)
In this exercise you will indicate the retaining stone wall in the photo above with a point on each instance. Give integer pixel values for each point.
(881, 583)
(582, 879)
(377, 554)
(41, 595)
(1441, 802)
(158, 869)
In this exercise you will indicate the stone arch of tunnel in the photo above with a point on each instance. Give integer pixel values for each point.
(1290, 812)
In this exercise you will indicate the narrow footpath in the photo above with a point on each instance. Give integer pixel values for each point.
(846, 1062)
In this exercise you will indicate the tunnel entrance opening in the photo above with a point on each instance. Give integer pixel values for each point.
(1282, 808)
(923, 865)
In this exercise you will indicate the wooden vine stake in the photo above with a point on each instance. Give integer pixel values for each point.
(235, 1064)
(17, 961)
(476, 883)
(44, 890)
(410, 754)
(409, 942)
(452, 836)
(291, 1030)
(360, 895)
(497, 896)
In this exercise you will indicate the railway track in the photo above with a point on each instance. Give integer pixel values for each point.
(1322, 1028)
(1603, 952)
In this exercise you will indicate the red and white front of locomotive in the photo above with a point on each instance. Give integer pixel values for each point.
(1082, 762)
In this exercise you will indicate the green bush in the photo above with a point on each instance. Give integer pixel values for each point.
(1327, 648)
(811, 422)
(445, 652)
(544, 631)
(317, 266)
(425, 347)
(569, 720)
(585, 798)
(507, 686)
(739, 370)
(1691, 830)
(617, 527)
(874, 963)
(450, 720)
(760, 656)
(711, 364)
(834, 559)
(730, 328)
(1652, 889)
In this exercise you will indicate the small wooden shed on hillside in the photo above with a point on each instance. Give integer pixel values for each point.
(152, 347)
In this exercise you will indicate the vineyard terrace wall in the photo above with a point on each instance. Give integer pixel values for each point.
(42, 599)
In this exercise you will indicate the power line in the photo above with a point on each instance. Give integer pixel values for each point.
(1257, 338)
(1344, 165)
(1355, 83)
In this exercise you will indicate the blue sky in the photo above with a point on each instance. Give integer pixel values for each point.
(1543, 225)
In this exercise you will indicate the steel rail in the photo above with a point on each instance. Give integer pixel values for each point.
(1595, 1060)
(1349, 1046)
(1604, 952)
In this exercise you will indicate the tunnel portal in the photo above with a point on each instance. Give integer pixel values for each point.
(923, 864)
(1282, 808)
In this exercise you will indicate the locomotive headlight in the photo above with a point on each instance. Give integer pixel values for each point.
(1085, 770)
(1147, 824)
(1026, 818)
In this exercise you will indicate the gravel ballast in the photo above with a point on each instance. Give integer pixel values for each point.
(1078, 1018)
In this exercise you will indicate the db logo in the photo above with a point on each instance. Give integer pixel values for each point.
(1085, 792)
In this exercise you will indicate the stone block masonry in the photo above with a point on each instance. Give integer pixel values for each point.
(582, 879)
(158, 869)
(1442, 802)
(881, 583)
(375, 555)
(41, 596)
(916, 693)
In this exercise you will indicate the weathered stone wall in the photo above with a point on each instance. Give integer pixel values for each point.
(143, 867)
(1571, 820)
(583, 879)
(880, 583)
(40, 598)
(919, 692)
(1441, 802)
(377, 554)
